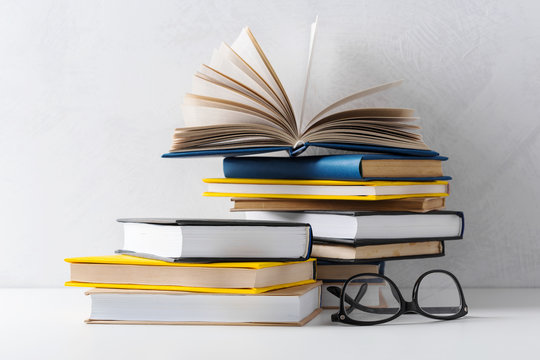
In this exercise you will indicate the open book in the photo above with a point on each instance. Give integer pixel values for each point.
(238, 106)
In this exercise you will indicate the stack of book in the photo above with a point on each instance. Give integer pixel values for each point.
(174, 271)
(368, 208)
(351, 212)
(382, 201)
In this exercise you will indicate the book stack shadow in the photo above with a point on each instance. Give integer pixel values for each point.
(383, 201)
(364, 209)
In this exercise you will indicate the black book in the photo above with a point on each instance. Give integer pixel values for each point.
(198, 240)
(373, 228)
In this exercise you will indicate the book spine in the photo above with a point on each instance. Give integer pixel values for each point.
(462, 216)
(310, 243)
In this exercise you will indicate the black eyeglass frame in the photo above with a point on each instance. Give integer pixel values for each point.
(406, 307)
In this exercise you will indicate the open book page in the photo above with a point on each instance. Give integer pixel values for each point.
(230, 91)
(247, 47)
(199, 110)
(340, 69)
(388, 116)
(379, 126)
(217, 77)
(350, 98)
(312, 37)
(228, 62)
(208, 87)
(227, 136)
(210, 92)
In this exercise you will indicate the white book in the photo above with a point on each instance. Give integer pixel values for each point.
(358, 226)
(290, 306)
(226, 240)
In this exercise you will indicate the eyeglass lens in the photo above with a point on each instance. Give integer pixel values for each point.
(438, 295)
(370, 298)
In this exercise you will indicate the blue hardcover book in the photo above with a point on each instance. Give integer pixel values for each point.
(362, 167)
(297, 151)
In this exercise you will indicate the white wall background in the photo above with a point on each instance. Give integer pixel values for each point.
(90, 93)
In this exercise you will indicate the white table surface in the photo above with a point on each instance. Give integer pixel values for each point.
(48, 324)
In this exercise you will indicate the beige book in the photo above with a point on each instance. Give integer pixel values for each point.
(401, 168)
(330, 301)
(343, 272)
(411, 204)
(208, 277)
(382, 251)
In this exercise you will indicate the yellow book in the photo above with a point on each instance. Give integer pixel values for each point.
(129, 272)
(325, 189)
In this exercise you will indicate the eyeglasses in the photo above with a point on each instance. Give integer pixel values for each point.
(370, 299)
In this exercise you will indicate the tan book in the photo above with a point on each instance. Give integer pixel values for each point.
(267, 204)
(408, 204)
(344, 271)
(330, 301)
(293, 306)
(378, 252)
(132, 271)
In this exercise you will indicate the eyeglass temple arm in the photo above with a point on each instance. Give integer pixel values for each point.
(359, 295)
(334, 290)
